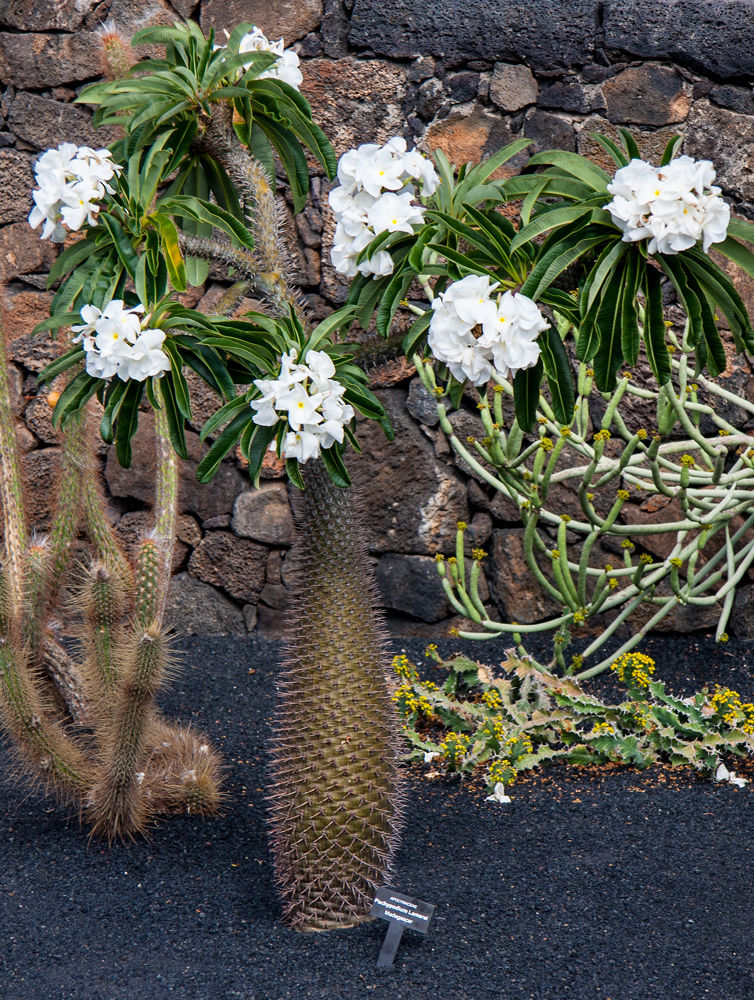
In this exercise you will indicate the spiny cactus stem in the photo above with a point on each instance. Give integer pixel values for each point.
(166, 507)
(35, 595)
(53, 758)
(119, 807)
(334, 755)
(149, 562)
(252, 181)
(104, 605)
(95, 517)
(66, 520)
(66, 677)
(11, 487)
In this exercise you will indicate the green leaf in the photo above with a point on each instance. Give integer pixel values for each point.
(577, 166)
(555, 261)
(294, 473)
(71, 258)
(175, 419)
(128, 422)
(55, 322)
(629, 312)
(391, 299)
(654, 327)
(559, 374)
(212, 215)
(62, 364)
(225, 441)
(335, 466)
(417, 333)
(552, 220)
(526, 385)
(223, 415)
(610, 147)
(171, 250)
(73, 397)
(671, 149)
(609, 355)
(634, 153)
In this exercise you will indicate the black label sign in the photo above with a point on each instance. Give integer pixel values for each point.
(404, 910)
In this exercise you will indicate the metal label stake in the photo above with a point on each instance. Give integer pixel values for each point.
(401, 912)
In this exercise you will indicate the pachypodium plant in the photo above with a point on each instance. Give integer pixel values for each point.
(196, 185)
(511, 721)
(486, 321)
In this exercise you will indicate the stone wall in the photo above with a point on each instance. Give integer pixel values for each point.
(466, 78)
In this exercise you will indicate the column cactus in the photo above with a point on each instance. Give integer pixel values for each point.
(129, 764)
(336, 796)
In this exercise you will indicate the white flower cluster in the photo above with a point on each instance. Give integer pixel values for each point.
(375, 196)
(115, 343)
(673, 206)
(72, 181)
(476, 333)
(285, 69)
(311, 400)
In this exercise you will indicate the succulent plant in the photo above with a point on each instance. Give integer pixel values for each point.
(91, 732)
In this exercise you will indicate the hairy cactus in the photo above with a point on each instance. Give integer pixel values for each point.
(336, 799)
(336, 804)
(127, 765)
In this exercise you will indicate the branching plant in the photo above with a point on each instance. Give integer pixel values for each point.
(197, 186)
(713, 481)
(90, 731)
(526, 716)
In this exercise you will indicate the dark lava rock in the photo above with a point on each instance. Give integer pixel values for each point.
(495, 30)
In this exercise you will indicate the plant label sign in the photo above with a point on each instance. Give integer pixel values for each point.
(402, 912)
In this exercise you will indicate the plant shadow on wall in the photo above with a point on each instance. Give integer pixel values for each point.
(192, 183)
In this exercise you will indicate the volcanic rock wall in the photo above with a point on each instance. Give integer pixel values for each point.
(465, 78)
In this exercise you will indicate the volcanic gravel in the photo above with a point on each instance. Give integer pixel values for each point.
(592, 885)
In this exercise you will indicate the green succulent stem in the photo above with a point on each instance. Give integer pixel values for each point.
(335, 779)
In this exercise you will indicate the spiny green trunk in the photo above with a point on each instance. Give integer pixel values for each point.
(337, 792)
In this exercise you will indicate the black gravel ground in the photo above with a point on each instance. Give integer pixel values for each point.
(591, 886)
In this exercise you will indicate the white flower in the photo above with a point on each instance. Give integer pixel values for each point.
(673, 206)
(498, 794)
(146, 358)
(115, 344)
(723, 774)
(374, 196)
(393, 213)
(309, 399)
(72, 182)
(476, 334)
(302, 445)
(286, 66)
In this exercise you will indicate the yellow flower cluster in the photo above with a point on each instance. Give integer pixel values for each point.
(411, 701)
(501, 771)
(623, 495)
(603, 435)
(634, 669)
(688, 461)
(403, 667)
(492, 699)
(602, 729)
(454, 745)
(545, 444)
(727, 703)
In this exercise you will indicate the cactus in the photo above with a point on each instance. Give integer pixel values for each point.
(128, 765)
(337, 796)
(336, 804)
